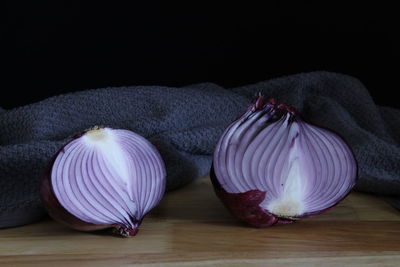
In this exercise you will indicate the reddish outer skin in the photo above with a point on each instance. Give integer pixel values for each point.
(246, 206)
(60, 214)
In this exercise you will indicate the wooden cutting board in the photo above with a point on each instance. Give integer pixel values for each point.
(192, 228)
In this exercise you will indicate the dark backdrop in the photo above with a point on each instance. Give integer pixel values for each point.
(53, 47)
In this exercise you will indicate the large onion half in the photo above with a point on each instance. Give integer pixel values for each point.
(104, 178)
(271, 167)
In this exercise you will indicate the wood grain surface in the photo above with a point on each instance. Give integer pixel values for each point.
(191, 228)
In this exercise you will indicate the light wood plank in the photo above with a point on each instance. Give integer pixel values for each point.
(191, 227)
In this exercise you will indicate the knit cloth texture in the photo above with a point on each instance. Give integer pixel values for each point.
(185, 124)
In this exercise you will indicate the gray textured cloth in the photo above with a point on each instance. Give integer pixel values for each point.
(185, 124)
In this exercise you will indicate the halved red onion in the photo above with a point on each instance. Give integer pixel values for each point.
(104, 178)
(271, 167)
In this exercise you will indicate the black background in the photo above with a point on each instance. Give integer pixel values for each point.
(53, 47)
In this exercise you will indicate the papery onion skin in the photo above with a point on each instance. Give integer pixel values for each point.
(59, 213)
(247, 205)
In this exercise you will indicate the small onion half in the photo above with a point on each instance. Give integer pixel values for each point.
(271, 167)
(104, 178)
